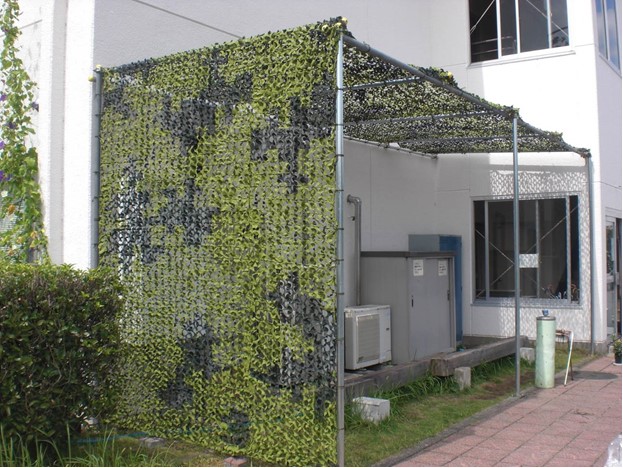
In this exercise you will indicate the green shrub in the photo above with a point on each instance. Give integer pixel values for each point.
(59, 345)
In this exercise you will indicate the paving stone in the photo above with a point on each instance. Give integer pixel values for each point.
(563, 426)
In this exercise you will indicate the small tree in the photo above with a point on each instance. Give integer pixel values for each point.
(20, 197)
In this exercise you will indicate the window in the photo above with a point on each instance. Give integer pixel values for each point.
(507, 27)
(608, 31)
(548, 249)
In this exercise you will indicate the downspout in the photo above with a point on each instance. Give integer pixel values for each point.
(591, 208)
(357, 218)
(516, 258)
(96, 189)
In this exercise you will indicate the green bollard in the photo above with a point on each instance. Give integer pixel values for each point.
(545, 351)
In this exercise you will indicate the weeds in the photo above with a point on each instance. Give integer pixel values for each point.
(107, 451)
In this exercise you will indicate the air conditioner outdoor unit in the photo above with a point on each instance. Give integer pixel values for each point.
(367, 338)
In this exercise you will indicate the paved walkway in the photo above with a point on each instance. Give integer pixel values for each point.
(562, 426)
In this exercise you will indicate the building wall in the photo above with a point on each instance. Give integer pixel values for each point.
(161, 27)
(406, 194)
(585, 96)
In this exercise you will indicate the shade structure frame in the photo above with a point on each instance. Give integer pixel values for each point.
(371, 76)
(514, 136)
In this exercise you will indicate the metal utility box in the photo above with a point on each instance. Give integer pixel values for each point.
(445, 243)
(367, 336)
(419, 287)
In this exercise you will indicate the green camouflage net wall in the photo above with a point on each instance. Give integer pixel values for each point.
(218, 211)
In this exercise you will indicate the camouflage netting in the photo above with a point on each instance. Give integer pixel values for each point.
(218, 211)
(384, 103)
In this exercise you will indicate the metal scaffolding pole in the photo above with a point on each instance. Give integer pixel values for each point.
(339, 206)
(593, 261)
(516, 258)
(96, 189)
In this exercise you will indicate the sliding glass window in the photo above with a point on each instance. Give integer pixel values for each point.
(548, 249)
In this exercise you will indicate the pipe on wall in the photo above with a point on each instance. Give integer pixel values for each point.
(357, 218)
(96, 78)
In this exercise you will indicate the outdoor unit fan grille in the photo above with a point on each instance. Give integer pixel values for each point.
(368, 337)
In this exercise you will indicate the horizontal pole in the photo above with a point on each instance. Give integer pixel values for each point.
(378, 84)
(466, 139)
(421, 118)
(393, 148)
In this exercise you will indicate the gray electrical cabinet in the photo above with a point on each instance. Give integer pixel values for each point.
(419, 287)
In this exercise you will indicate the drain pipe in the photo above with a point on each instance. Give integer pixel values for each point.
(357, 218)
(96, 78)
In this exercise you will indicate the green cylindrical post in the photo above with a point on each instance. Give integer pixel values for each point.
(545, 351)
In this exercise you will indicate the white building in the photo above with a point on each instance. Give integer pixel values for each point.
(559, 63)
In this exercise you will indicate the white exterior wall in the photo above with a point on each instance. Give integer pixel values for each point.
(159, 27)
(406, 194)
(51, 122)
(585, 96)
(402, 194)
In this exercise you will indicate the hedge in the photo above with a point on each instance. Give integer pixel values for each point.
(59, 343)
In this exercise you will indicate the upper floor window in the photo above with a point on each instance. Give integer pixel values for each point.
(506, 27)
(608, 31)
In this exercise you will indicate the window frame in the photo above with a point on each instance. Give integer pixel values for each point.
(518, 52)
(571, 257)
(602, 19)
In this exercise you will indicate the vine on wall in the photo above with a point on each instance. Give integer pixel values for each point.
(21, 221)
(218, 211)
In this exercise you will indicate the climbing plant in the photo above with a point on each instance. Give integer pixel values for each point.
(218, 212)
(21, 221)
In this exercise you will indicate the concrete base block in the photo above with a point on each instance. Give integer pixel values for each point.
(151, 442)
(527, 354)
(235, 461)
(463, 376)
(372, 409)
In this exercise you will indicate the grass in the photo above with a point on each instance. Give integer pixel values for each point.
(426, 407)
(419, 410)
(107, 450)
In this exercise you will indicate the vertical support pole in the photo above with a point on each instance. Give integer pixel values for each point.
(487, 272)
(97, 121)
(592, 234)
(339, 202)
(516, 257)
